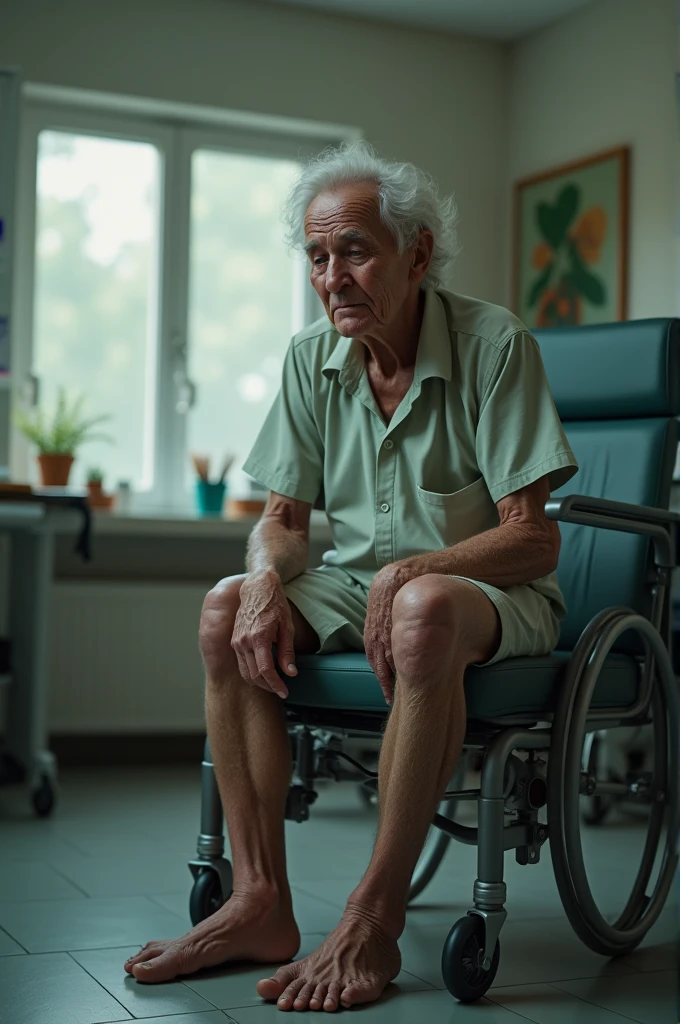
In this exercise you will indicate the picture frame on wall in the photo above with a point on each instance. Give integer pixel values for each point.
(570, 242)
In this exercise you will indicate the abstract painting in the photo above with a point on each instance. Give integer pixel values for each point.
(570, 256)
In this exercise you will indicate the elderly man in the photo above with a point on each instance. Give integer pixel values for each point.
(426, 420)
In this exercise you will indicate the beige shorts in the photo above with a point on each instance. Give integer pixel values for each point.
(334, 604)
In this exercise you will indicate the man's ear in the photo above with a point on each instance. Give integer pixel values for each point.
(422, 256)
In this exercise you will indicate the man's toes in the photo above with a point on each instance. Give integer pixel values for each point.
(289, 996)
(271, 988)
(149, 952)
(163, 967)
(317, 1000)
(354, 993)
(301, 1001)
(332, 1000)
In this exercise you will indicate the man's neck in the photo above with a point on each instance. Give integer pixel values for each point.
(394, 351)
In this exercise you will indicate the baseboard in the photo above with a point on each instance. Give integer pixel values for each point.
(126, 749)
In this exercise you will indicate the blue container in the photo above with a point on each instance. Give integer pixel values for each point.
(210, 497)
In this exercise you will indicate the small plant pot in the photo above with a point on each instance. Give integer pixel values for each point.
(210, 497)
(55, 469)
(96, 498)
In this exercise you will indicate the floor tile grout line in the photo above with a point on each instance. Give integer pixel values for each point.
(590, 1002)
(10, 936)
(584, 977)
(71, 882)
(102, 987)
(313, 896)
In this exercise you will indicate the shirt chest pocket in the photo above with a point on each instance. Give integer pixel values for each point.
(461, 514)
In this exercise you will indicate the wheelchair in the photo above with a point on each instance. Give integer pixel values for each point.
(536, 722)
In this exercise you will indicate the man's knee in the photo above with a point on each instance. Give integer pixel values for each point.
(424, 623)
(218, 615)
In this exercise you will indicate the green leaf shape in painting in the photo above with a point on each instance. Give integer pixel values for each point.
(554, 220)
(589, 286)
(539, 285)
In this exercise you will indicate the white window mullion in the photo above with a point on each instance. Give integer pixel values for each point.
(174, 385)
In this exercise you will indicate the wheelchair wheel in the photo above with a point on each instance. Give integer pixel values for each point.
(594, 809)
(463, 974)
(206, 896)
(565, 783)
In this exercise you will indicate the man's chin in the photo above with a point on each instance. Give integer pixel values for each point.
(352, 324)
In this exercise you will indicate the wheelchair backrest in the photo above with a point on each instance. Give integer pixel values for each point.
(617, 390)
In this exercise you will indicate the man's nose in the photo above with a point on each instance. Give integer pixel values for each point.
(337, 275)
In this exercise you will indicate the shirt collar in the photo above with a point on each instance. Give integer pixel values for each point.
(433, 358)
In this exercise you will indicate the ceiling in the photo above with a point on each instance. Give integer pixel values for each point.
(504, 20)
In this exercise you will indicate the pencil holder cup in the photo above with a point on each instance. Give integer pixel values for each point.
(210, 497)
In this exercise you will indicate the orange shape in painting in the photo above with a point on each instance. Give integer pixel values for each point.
(559, 307)
(589, 234)
(542, 256)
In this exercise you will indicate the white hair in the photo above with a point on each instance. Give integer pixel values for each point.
(408, 197)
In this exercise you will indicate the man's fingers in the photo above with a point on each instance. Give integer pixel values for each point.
(384, 675)
(242, 665)
(285, 651)
(253, 671)
(267, 671)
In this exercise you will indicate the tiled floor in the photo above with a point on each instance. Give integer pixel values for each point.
(81, 892)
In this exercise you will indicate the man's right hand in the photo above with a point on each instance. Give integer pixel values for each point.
(264, 619)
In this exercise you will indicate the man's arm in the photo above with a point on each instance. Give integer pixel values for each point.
(525, 545)
(280, 541)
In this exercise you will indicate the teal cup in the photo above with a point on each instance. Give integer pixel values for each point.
(210, 497)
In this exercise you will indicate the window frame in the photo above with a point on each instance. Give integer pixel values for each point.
(176, 135)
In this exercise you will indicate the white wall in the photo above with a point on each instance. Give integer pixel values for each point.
(423, 96)
(602, 77)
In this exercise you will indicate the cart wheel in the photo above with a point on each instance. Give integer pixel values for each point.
(463, 974)
(206, 896)
(44, 797)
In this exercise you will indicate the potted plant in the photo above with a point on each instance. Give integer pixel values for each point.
(58, 437)
(95, 491)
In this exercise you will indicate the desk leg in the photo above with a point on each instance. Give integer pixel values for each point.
(31, 569)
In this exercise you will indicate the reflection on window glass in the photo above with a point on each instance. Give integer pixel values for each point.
(95, 291)
(242, 305)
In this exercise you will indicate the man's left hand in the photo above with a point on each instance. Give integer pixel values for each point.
(378, 626)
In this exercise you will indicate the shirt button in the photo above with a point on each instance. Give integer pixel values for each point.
(384, 507)
(389, 443)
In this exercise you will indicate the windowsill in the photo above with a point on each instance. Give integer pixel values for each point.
(162, 523)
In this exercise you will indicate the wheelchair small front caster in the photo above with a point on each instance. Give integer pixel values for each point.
(43, 797)
(463, 974)
(206, 896)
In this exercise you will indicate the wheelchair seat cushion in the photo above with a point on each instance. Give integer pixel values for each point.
(516, 686)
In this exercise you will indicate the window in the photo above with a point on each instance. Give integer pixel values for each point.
(95, 305)
(162, 291)
(242, 292)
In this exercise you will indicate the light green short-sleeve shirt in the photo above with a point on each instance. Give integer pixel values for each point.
(477, 423)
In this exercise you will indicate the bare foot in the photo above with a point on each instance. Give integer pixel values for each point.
(248, 927)
(353, 965)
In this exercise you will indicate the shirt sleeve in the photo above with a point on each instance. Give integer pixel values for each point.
(287, 456)
(519, 434)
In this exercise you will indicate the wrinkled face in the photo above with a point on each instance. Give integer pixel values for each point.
(355, 268)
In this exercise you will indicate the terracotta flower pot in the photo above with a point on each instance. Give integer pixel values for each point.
(55, 469)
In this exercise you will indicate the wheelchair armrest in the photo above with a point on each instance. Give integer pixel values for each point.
(659, 524)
